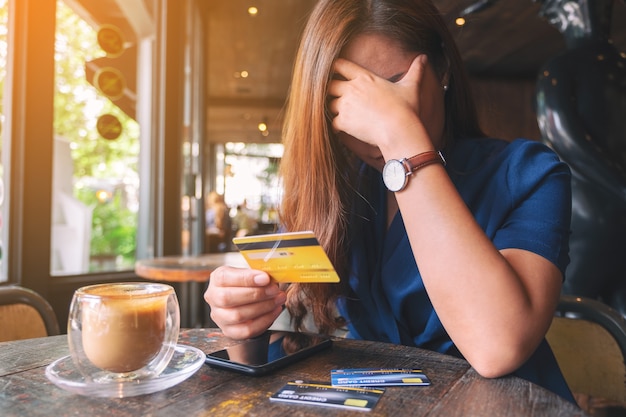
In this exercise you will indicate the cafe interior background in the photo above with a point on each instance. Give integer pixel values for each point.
(119, 117)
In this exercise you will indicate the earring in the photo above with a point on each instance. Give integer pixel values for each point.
(445, 87)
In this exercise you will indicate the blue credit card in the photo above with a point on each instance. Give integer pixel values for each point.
(378, 377)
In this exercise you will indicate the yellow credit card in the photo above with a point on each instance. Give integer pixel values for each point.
(288, 257)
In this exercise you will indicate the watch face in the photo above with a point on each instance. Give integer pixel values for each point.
(394, 175)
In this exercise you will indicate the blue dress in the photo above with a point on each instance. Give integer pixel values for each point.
(519, 193)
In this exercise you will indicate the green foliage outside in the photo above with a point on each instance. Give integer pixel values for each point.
(77, 105)
(113, 230)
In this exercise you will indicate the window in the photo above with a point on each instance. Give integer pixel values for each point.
(95, 181)
(126, 172)
(252, 180)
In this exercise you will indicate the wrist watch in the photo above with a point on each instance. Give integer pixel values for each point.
(396, 172)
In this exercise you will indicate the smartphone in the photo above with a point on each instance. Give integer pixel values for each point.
(268, 352)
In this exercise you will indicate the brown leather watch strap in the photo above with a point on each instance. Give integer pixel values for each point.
(422, 159)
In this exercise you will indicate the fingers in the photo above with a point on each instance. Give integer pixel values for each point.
(346, 70)
(415, 73)
(352, 79)
(243, 302)
(233, 287)
(343, 72)
(339, 89)
(226, 276)
(249, 328)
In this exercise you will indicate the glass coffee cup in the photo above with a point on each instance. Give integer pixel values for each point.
(123, 331)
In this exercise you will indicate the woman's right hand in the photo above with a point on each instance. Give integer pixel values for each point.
(244, 302)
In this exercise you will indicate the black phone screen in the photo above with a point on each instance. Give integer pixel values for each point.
(268, 352)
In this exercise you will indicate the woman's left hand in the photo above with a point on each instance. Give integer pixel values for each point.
(373, 109)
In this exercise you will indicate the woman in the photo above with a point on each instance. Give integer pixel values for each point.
(467, 257)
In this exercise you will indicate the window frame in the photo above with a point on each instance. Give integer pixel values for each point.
(28, 147)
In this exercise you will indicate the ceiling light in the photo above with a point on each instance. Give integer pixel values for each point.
(241, 74)
(253, 11)
(460, 21)
(262, 127)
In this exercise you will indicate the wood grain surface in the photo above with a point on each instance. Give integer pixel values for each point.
(456, 389)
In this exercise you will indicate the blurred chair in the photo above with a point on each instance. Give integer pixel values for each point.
(24, 314)
(589, 341)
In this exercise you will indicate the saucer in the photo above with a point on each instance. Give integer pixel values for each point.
(184, 363)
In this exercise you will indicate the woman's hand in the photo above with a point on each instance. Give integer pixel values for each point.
(376, 110)
(244, 302)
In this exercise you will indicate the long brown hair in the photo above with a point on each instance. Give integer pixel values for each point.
(317, 174)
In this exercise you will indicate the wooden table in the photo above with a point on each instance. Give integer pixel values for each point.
(191, 272)
(456, 389)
